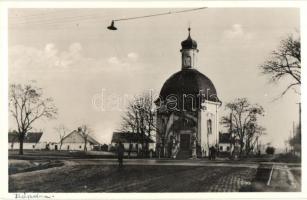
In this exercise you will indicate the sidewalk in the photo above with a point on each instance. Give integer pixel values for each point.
(276, 178)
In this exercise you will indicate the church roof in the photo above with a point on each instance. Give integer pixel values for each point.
(188, 88)
(189, 43)
(189, 81)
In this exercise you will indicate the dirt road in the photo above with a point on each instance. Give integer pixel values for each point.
(88, 177)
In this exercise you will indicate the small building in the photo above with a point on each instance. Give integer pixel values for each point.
(74, 141)
(52, 146)
(132, 141)
(224, 142)
(31, 140)
(42, 145)
(229, 145)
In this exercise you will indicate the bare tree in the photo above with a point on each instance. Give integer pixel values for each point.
(62, 131)
(139, 117)
(243, 122)
(85, 131)
(27, 104)
(253, 133)
(285, 62)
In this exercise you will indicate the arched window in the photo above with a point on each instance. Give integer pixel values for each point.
(187, 61)
(209, 125)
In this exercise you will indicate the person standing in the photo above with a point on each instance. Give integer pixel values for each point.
(130, 149)
(210, 153)
(120, 153)
(213, 153)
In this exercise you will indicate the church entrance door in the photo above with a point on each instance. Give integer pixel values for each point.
(185, 141)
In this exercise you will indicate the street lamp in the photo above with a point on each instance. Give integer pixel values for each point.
(112, 27)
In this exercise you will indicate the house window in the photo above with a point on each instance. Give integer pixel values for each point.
(80, 146)
(228, 148)
(209, 125)
(221, 148)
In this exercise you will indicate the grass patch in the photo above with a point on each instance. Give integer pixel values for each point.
(20, 166)
(287, 158)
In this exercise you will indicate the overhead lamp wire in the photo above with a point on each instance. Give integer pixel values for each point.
(159, 14)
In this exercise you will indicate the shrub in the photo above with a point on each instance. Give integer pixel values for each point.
(270, 150)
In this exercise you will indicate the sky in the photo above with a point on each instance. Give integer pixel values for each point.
(92, 72)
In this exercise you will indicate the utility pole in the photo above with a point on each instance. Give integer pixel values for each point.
(299, 130)
(293, 130)
(290, 139)
(231, 135)
(299, 115)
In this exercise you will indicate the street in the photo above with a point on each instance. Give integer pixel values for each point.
(103, 175)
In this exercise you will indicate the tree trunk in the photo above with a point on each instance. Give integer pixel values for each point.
(241, 147)
(21, 147)
(85, 143)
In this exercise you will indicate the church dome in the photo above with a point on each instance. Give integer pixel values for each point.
(189, 82)
(189, 43)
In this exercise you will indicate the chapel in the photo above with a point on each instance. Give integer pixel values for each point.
(187, 109)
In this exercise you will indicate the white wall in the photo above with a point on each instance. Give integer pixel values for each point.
(25, 145)
(151, 146)
(75, 146)
(211, 112)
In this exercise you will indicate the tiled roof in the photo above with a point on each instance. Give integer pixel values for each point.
(76, 137)
(224, 138)
(31, 137)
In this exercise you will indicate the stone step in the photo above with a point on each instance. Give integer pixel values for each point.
(183, 154)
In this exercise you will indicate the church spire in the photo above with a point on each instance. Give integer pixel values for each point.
(189, 52)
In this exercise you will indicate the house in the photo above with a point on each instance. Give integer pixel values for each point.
(31, 140)
(74, 141)
(41, 145)
(224, 142)
(132, 141)
(46, 145)
(229, 145)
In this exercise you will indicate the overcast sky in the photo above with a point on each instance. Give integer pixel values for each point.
(73, 57)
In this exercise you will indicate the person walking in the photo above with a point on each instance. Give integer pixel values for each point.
(120, 153)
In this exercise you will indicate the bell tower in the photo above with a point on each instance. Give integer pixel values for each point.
(189, 52)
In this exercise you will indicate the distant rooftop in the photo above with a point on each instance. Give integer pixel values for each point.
(76, 137)
(224, 138)
(31, 137)
(129, 137)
